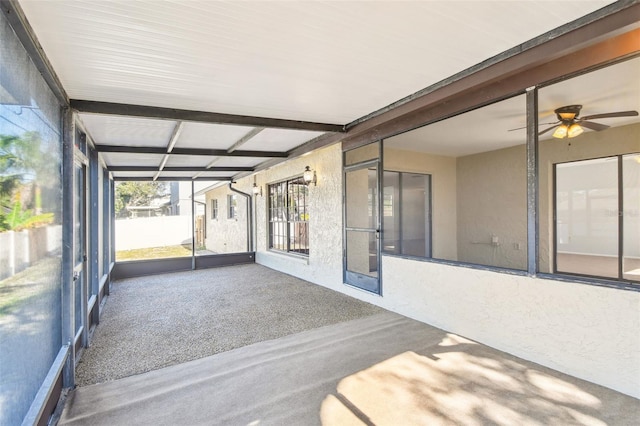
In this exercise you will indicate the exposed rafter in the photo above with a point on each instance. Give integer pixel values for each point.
(189, 151)
(174, 136)
(179, 169)
(246, 138)
(94, 107)
(169, 179)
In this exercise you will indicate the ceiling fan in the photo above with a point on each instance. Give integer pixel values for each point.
(570, 125)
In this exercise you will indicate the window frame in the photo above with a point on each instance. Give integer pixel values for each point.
(232, 211)
(214, 209)
(428, 213)
(287, 223)
(620, 218)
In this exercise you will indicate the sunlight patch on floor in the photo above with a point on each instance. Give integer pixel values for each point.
(461, 385)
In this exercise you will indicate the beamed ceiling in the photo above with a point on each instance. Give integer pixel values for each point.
(214, 89)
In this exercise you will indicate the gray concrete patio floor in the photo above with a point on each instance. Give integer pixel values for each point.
(291, 353)
(161, 320)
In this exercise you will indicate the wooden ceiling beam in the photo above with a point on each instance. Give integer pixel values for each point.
(109, 108)
(189, 151)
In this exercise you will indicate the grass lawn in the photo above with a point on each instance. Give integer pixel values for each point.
(153, 253)
(29, 284)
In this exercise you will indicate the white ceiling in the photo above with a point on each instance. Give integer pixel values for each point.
(615, 88)
(135, 132)
(320, 61)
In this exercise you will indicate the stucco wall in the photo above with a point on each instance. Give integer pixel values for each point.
(324, 264)
(226, 235)
(587, 331)
(614, 141)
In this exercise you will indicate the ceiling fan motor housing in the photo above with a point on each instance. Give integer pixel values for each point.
(568, 113)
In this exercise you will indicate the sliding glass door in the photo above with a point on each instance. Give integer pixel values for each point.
(597, 228)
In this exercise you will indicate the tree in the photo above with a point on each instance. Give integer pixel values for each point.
(25, 168)
(137, 194)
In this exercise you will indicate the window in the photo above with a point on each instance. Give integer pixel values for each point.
(465, 178)
(289, 216)
(231, 206)
(214, 209)
(589, 182)
(589, 220)
(407, 214)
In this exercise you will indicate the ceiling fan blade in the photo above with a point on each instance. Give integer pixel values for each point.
(546, 130)
(594, 126)
(611, 115)
(524, 127)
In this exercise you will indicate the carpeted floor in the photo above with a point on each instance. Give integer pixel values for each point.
(162, 320)
(383, 369)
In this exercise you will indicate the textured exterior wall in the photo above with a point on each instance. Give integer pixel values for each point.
(443, 186)
(324, 264)
(614, 141)
(492, 201)
(226, 235)
(587, 331)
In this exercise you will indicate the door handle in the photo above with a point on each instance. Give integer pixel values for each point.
(76, 275)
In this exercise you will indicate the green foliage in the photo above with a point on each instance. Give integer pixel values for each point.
(18, 219)
(137, 194)
(25, 169)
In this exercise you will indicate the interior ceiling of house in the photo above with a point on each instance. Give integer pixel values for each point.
(311, 61)
(610, 89)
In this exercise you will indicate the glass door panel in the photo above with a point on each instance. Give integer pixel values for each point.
(416, 209)
(631, 217)
(587, 217)
(361, 253)
(362, 230)
(79, 248)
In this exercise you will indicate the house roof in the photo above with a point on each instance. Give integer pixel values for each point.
(266, 77)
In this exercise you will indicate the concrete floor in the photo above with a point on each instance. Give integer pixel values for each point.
(161, 320)
(248, 345)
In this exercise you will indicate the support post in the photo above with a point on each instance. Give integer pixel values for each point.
(68, 305)
(532, 181)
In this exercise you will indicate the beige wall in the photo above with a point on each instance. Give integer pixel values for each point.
(226, 235)
(443, 185)
(614, 141)
(492, 202)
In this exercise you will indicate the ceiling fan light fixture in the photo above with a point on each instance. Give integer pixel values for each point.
(574, 130)
(561, 131)
(567, 115)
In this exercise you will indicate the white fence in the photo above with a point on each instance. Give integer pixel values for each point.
(21, 249)
(145, 232)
